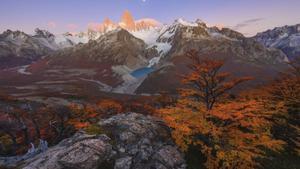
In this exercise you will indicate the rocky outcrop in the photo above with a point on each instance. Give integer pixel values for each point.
(130, 141)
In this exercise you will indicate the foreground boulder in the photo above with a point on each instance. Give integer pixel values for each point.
(130, 141)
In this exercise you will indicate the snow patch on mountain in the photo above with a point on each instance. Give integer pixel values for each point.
(186, 23)
(295, 40)
(22, 70)
(150, 37)
(69, 40)
(163, 49)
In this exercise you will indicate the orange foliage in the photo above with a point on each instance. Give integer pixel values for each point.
(80, 125)
(285, 92)
(109, 106)
(85, 115)
(81, 115)
(138, 107)
(231, 135)
(206, 81)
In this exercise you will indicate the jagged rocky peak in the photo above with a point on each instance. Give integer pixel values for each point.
(117, 47)
(146, 23)
(43, 33)
(127, 21)
(7, 32)
(79, 34)
(107, 21)
(200, 21)
(231, 33)
(278, 32)
(121, 40)
(272, 37)
(120, 36)
(13, 34)
(286, 38)
(184, 22)
(183, 29)
(107, 25)
(68, 34)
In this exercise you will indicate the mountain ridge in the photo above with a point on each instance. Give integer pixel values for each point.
(285, 38)
(110, 60)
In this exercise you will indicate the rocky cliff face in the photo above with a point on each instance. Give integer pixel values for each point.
(127, 22)
(286, 38)
(133, 141)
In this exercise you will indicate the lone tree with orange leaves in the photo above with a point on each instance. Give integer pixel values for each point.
(206, 80)
(230, 134)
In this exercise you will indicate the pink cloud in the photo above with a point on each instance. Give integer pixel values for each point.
(51, 24)
(72, 26)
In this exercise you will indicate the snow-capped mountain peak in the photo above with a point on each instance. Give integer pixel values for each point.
(286, 38)
(43, 33)
(185, 22)
(70, 39)
(10, 35)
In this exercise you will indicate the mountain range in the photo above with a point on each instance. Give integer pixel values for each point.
(286, 38)
(134, 57)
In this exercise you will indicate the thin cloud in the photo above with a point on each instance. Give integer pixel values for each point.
(247, 23)
(51, 24)
(72, 26)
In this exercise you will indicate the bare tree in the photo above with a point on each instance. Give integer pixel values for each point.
(33, 116)
(61, 115)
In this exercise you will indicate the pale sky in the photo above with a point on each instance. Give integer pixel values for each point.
(59, 16)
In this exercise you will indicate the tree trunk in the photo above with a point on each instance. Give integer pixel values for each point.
(25, 133)
(37, 128)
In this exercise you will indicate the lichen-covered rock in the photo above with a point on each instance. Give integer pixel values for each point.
(132, 141)
(123, 163)
(145, 140)
(81, 151)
